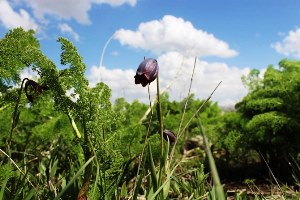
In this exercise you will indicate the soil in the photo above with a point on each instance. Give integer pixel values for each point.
(255, 180)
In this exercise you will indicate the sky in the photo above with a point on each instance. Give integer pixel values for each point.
(228, 38)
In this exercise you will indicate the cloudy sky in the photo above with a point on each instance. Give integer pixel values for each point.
(228, 37)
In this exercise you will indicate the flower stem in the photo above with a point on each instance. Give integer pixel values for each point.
(146, 139)
(159, 115)
(161, 128)
(16, 113)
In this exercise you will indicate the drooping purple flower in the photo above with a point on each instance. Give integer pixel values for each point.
(169, 134)
(33, 89)
(146, 72)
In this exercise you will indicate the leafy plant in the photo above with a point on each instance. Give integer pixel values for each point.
(271, 111)
(90, 113)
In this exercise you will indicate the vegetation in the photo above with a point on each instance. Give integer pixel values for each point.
(59, 146)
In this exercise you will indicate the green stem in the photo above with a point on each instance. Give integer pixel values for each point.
(159, 115)
(74, 125)
(15, 116)
(161, 128)
(145, 142)
(88, 169)
(2, 108)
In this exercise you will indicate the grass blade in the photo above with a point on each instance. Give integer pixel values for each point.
(13, 162)
(216, 179)
(138, 185)
(165, 183)
(30, 194)
(3, 188)
(165, 166)
(74, 178)
(152, 169)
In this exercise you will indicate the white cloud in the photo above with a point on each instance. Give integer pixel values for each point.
(50, 11)
(116, 2)
(12, 19)
(70, 9)
(29, 73)
(66, 9)
(120, 81)
(290, 45)
(72, 95)
(206, 78)
(174, 34)
(172, 64)
(65, 28)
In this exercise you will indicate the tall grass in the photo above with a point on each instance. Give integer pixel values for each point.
(161, 175)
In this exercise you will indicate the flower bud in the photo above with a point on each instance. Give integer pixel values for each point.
(146, 72)
(169, 134)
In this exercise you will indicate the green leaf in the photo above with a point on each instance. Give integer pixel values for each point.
(53, 168)
(152, 168)
(165, 183)
(30, 194)
(74, 178)
(124, 190)
(166, 169)
(166, 188)
(74, 126)
(166, 154)
(3, 186)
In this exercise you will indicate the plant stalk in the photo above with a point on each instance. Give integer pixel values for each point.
(161, 129)
(88, 169)
(15, 115)
(159, 115)
(145, 142)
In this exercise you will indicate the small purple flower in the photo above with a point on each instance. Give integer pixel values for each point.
(146, 72)
(169, 134)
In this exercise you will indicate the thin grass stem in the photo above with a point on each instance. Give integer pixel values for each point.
(160, 117)
(273, 176)
(13, 162)
(202, 105)
(145, 142)
(184, 110)
(161, 130)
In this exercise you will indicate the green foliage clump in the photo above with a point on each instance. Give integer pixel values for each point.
(271, 111)
(131, 134)
(17, 51)
(88, 111)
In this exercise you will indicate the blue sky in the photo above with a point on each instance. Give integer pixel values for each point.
(228, 37)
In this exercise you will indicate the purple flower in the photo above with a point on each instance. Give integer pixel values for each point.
(169, 134)
(146, 72)
(33, 89)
